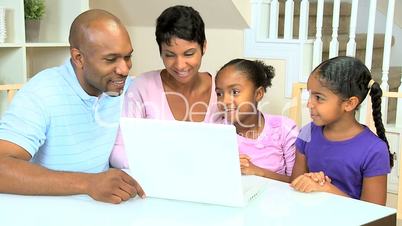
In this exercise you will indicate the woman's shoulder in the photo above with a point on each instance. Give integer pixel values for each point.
(148, 76)
(206, 73)
(207, 78)
(207, 83)
(146, 80)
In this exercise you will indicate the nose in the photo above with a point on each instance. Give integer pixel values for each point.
(123, 67)
(180, 63)
(227, 99)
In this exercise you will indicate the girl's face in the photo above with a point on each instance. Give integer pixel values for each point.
(325, 106)
(182, 59)
(237, 97)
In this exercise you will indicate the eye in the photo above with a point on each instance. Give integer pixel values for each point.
(219, 93)
(110, 59)
(319, 98)
(189, 54)
(235, 92)
(169, 55)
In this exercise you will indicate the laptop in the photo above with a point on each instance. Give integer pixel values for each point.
(188, 161)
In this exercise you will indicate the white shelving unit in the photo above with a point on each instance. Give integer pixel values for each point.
(19, 60)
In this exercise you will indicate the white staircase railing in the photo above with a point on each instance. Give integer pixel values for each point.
(334, 45)
(351, 46)
(317, 52)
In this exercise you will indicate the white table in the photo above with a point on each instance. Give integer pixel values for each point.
(277, 204)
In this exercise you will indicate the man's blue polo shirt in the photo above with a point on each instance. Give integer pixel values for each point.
(60, 125)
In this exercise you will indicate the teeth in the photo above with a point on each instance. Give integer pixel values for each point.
(118, 82)
(182, 73)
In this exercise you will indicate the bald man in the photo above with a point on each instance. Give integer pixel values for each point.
(57, 134)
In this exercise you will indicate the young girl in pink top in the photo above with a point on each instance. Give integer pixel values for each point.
(266, 142)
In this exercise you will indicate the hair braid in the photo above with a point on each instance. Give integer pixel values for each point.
(376, 93)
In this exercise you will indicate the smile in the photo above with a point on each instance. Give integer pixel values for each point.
(118, 82)
(183, 73)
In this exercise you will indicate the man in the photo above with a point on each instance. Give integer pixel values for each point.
(57, 135)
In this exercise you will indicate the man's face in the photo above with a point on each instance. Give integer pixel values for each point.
(106, 60)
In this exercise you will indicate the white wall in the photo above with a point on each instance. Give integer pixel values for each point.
(274, 101)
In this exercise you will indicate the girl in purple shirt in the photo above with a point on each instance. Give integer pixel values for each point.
(335, 153)
(266, 142)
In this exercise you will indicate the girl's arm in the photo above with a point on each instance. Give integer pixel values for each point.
(248, 168)
(272, 175)
(289, 145)
(375, 189)
(300, 166)
(252, 169)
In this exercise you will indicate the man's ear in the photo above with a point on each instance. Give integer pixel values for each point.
(259, 93)
(77, 58)
(351, 103)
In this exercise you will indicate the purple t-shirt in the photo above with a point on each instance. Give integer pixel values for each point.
(345, 162)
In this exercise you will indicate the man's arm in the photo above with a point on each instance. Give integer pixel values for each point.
(19, 176)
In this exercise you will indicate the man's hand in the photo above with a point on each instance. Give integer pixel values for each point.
(113, 186)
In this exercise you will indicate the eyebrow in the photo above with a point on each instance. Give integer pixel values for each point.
(234, 85)
(317, 93)
(118, 55)
(188, 50)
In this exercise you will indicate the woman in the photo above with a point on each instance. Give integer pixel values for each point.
(179, 91)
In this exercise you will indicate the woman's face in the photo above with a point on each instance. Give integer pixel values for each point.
(182, 59)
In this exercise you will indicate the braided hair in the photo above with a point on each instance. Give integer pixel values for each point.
(346, 77)
(257, 71)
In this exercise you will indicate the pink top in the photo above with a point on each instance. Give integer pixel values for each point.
(146, 98)
(274, 149)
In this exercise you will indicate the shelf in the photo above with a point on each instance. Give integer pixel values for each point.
(11, 45)
(47, 44)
